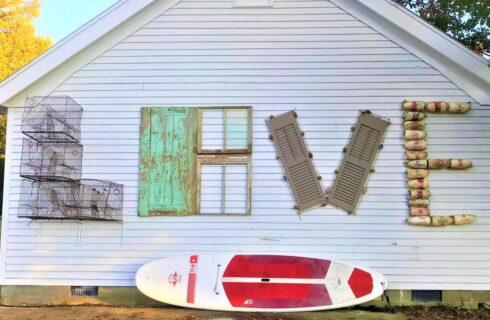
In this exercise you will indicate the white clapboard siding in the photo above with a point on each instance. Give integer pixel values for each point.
(304, 55)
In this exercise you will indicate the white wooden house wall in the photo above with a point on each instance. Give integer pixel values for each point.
(305, 55)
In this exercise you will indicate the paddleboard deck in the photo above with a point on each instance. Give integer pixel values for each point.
(258, 282)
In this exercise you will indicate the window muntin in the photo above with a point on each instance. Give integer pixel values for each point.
(224, 130)
(224, 185)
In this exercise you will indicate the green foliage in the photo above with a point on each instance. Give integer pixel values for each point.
(18, 43)
(17, 35)
(468, 21)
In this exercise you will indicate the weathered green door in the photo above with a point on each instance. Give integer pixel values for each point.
(167, 161)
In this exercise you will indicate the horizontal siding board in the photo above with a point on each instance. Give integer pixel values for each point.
(310, 115)
(324, 25)
(282, 218)
(303, 55)
(256, 72)
(289, 59)
(253, 12)
(252, 31)
(249, 100)
(255, 45)
(277, 4)
(133, 244)
(245, 94)
(227, 18)
(380, 254)
(230, 53)
(253, 38)
(255, 86)
(358, 79)
(140, 232)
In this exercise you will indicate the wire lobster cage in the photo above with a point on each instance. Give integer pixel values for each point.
(49, 200)
(79, 200)
(60, 161)
(101, 200)
(52, 119)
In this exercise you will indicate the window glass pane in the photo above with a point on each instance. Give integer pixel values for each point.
(236, 129)
(236, 189)
(211, 189)
(212, 128)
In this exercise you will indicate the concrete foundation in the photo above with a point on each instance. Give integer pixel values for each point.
(31, 296)
(130, 296)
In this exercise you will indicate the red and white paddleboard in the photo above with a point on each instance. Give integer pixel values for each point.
(258, 282)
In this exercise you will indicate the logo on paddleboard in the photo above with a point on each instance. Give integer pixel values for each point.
(174, 278)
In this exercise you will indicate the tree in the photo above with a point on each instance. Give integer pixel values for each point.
(468, 21)
(17, 35)
(19, 43)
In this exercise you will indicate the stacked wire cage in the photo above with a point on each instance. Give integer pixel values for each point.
(100, 200)
(52, 162)
(78, 200)
(49, 200)
(52, 119)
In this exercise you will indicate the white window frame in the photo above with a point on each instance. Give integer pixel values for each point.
(224, 160)
(200, 149)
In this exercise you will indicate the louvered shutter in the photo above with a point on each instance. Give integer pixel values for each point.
(356, 165)
(295, 158)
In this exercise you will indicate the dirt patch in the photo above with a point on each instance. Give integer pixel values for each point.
(114, 313)
(444, 313)
(435, 312)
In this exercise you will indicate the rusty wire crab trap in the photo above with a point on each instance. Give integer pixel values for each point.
(51, 161)
(79, 200)
(48, 200)
(101, 200)
(52, 119)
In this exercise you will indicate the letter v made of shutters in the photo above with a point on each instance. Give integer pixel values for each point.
(356, 165)
(296, 160)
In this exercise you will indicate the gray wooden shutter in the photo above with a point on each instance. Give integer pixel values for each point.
(296, 160)
(356, 165)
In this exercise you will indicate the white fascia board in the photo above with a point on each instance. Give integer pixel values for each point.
(6, 203)
(466, 69)
(70, 46)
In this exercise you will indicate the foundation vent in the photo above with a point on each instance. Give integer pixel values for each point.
(84, 291)
(427, 295)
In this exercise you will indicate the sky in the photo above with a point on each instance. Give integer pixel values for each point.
(59, 18)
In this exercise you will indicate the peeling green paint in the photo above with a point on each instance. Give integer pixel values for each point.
(167, 161)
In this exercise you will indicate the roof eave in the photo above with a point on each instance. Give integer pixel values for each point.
(70, 46)
(466, 69)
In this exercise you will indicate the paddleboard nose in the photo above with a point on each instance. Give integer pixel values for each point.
(143, 279)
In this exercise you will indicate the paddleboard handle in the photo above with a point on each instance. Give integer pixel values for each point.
(215, 290)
